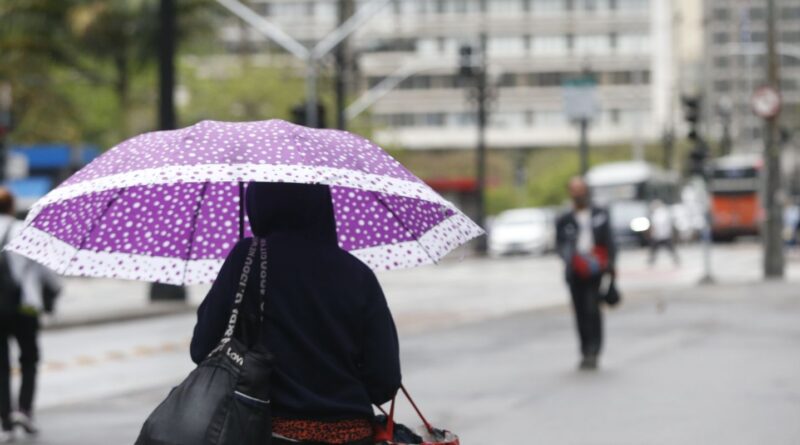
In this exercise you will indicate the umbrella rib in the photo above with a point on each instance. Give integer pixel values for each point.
(197, 209)
(394, 215)
(111, 202)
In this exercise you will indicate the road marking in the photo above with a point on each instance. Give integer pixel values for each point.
(138, 351)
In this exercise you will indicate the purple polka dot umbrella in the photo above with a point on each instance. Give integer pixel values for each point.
(167, 206)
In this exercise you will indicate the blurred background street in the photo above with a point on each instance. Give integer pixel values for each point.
(491, 354)
(682, 362)
(682, 116)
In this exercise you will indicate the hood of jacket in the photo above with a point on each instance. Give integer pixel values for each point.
(301, 209)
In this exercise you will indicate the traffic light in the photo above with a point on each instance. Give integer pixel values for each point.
(698, 156)
(299, 115)
(692, 109)
(466, 62)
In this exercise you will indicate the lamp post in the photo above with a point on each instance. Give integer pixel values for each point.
(166, 113)
(473, 68)
(773, 209)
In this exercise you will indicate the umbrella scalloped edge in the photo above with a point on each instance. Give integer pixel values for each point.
(68, 260)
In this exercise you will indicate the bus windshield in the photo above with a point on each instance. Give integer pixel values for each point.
(735, 180)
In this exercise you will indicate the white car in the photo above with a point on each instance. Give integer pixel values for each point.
(523, 231)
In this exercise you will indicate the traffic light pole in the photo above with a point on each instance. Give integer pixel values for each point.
(480, 176)
(773, 226)
(583, 148)
(6, 100)
(166, 112)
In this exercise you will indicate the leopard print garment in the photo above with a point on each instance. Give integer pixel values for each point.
(336, 432)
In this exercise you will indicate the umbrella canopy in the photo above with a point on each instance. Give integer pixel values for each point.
(166, 206)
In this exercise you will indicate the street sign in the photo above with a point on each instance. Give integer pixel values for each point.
(766, 102)
(580, 99)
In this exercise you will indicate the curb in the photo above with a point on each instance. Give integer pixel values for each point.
(154, 310)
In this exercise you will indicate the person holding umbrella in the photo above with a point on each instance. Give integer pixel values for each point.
(326, 207)
(585, 242)
(326, 320)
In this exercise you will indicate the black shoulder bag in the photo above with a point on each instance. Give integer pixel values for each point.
(225, 400)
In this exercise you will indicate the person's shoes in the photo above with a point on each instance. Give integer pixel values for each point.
(6, 436)
(588, 363)
(25, 421)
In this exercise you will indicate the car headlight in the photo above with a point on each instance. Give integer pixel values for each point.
(640, 224)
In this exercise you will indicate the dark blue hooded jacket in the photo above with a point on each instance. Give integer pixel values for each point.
(326, 318)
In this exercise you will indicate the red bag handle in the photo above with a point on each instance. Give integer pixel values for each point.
(389, 431)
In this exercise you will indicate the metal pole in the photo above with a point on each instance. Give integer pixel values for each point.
(584, 145)
(707, 278)
(166, 66)
(773, 242)
(343, 66)
(480, 185)
(638, 145)
(311, 93)
(6, 99)
(166, 112)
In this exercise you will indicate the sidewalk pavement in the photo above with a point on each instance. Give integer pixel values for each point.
(452, 292)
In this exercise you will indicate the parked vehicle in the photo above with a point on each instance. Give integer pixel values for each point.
(627, 189)
(523, 231)
(630, 221)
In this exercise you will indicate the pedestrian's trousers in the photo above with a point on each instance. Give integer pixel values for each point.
(588, 317)
(25, 329)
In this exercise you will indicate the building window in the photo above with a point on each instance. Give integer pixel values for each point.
(555, 45)
(551, 79)
(505, 6)
(507, 46)
(549, 6)
(614, 116)
(612, 41)
(790, 12)
(758, 13)
(721, 37)
(592, 44)
(507, 80)
(530, 118)
(722, 62)
(633, 5)
(790, 37)
(722, 14)
(633, 43)
(526, 5)
(722, 86)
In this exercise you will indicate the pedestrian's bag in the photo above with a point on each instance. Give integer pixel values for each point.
(387, 432)
(225, 400)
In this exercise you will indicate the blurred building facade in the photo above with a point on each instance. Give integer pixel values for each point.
(534, 46)
(735, 64)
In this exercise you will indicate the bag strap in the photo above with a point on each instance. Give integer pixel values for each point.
(239, 297)
(390, 415)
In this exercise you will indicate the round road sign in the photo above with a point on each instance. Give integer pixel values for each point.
(766, 102)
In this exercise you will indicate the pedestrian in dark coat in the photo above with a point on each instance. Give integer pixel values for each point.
(326, 319)
(585, 242)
